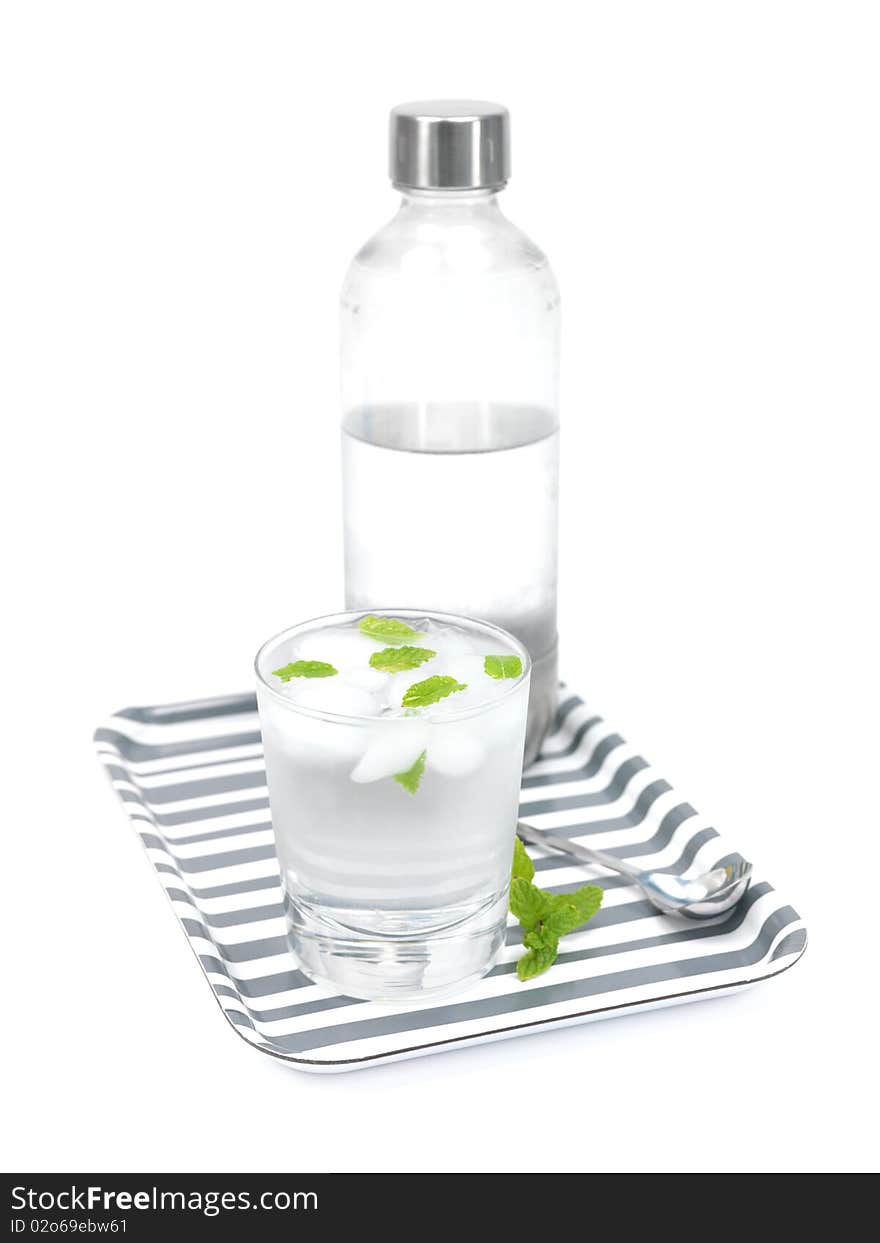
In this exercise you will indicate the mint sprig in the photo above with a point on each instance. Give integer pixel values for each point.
(503, 666)
(305, 669)
(397, 659)
(387, 630)
(543, 916)
(431, 690)
(412, 778)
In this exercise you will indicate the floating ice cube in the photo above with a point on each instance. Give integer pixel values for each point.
(471, 669)
(455, 750)
(450, 645)
(479, 688)
(367, 680)
(393, 747)
(399, 683)
(345, 649)
(334, 695)
(502, 728)
(308, 739)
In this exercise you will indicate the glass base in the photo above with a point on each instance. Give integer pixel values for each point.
(402, 955)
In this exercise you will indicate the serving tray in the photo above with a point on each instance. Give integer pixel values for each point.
(192, 780)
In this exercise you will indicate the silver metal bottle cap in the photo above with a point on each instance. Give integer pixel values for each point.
(449, 144)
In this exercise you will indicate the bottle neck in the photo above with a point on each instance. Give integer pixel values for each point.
(449, 202)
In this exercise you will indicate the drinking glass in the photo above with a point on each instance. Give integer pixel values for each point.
(395, 889)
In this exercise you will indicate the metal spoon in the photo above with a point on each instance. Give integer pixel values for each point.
(701, 897)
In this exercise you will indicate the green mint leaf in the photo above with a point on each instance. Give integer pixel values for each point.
(412, 778)
(569, 910)
(536, 961)
(528, 903)
(587, 899)
(503, 666)
(522, 864)
(305, 669)
(396, 659)
(387, 630)
(541, 939)
(421, 694)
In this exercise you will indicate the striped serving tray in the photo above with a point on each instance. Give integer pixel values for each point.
(192, 779)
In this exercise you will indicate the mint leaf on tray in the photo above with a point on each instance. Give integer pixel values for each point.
(528, 903)
(545, 917)
(570, 910)
(522, 864)
(541, 950)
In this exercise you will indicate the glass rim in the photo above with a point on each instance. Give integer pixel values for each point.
(347, 615)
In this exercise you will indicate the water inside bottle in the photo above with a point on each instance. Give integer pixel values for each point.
(454, 507)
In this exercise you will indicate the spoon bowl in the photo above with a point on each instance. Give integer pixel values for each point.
(696, 897)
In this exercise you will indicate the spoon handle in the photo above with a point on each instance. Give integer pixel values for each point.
(552, 841)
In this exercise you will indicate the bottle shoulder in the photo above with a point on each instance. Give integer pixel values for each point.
(448, 243)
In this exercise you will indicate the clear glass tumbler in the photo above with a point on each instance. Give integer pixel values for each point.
(394, 889)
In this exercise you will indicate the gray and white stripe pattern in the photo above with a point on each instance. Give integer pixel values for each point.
(192, 779)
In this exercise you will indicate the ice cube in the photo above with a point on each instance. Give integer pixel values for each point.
(334, 695)
(479, 688)
(309, 739)
(344, 648)
(393, 747)
(399, 683)
(367, 680)
(471, 669)
(502, 728)
(455, 750)
(451, 644)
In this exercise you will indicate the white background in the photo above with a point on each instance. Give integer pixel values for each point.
(183, 185)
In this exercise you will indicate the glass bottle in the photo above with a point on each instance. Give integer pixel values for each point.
(450, 358)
